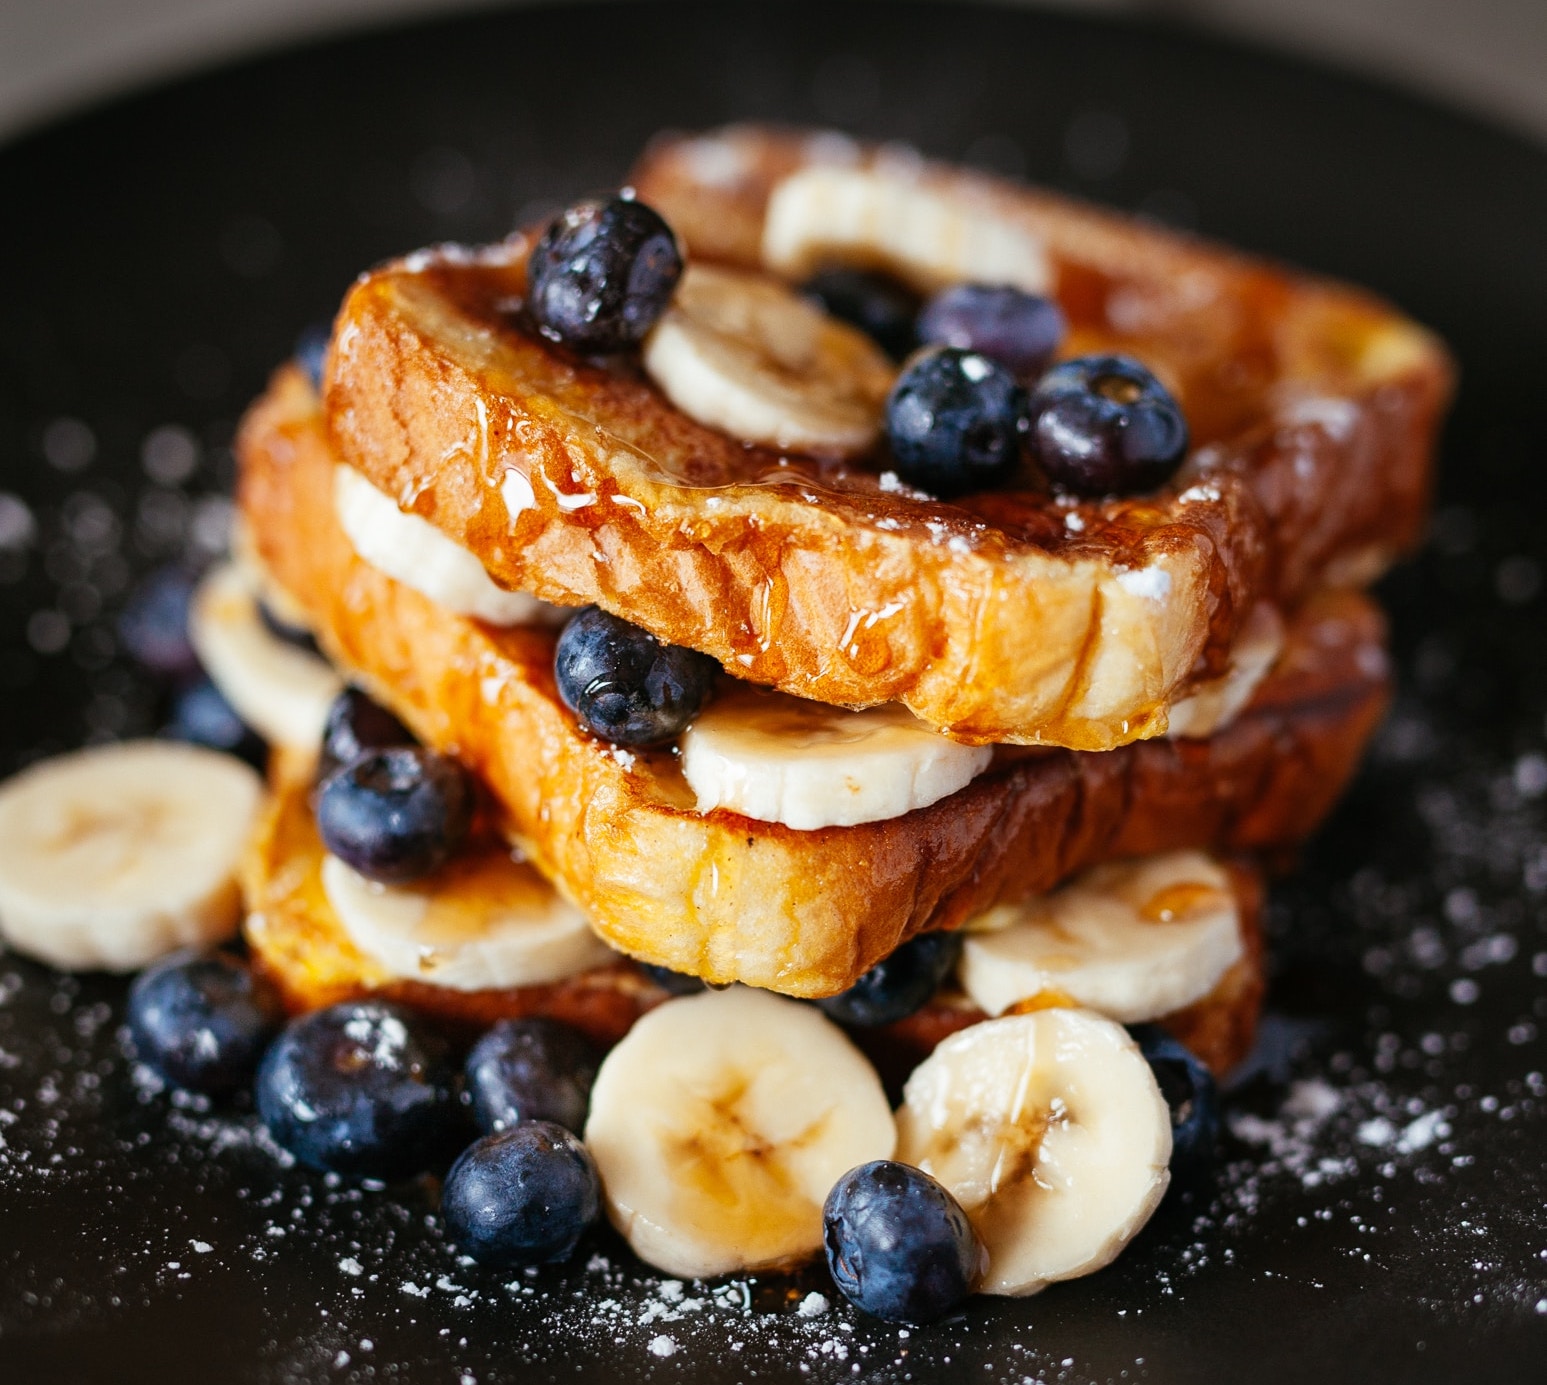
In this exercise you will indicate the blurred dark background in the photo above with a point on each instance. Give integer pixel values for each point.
(1486, 55)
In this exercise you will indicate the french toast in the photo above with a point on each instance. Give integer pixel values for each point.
(728, 899)
(1006, 616)
(297, 940)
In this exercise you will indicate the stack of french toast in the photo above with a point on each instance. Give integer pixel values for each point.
(845, 578)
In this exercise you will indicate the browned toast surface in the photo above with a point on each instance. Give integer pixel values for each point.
(1009, 616)
(296, 938)
(728, 899)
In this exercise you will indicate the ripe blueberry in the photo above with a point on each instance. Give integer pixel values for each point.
(361, 1087)
(522, 1196)
(395, 815)
(531, 1069)
(877, 304)
(898, 1244)
(1019, 330)
(897, 985)
(625, 685)
(954, 421)
(355, 726)
(1103, 425)
(202, 1022)
(602, 274)
(1189, 1089)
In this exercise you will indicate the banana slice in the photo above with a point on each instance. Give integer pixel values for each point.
(893, 219)
(417, 554)
(111, 857)
(485, 922)
(1217, 704)
(1050, 1131)
(807, 765)
(282, 692)
(719, 1125)
(742, 353)
(1132, 939)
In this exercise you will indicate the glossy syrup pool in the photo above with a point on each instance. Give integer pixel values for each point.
(1379, 1211)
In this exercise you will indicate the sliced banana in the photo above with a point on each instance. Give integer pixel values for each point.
(744, 354)
(111, 857)
(721, 1122)
(485, 922)
(282, 692)
(1132, 939)
(1050, 1131)
(1216, 704)
(414, 552)
(784, 759)
(926, 233)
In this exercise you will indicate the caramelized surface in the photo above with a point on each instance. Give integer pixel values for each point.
(298, 941)
(1006, 617)
(729, 899)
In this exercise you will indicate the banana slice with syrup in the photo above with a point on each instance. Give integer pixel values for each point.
(113, 856)
(742, 353)
(1133, 940)
(720, 1123)
(1051, 1132)
(486, 921)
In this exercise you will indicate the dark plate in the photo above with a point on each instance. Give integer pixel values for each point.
(1381, 1220)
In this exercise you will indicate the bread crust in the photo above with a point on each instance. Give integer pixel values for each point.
(722, 897)
(298, 942)
(1008, 616)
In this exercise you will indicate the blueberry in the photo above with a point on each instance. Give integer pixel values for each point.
(355, 726)
(283, 630)
(672, 982)
(625, 685)
(602, 274)
(361, 1087)
(311, 351)
(522, 1196)
(898, 1244)
(897, 985)
(202, 716)
(954, 421)
(876, 303)
(154, 624)
(1019, 330)
(1189, 1090)
(1103, 425)
(531, 1069)
(395, 815)
(202, 1022)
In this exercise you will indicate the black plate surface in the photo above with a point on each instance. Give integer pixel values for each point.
(1380, 1213)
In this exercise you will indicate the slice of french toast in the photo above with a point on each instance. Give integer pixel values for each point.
(298, 940)
(723, 897)
(1007, 616)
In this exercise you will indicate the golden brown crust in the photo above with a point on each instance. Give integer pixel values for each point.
(729, 899)
(298, 942)
(996, 618)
